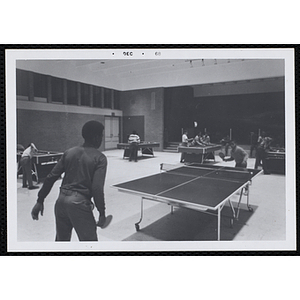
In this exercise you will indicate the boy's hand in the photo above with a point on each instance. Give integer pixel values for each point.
(38, 208)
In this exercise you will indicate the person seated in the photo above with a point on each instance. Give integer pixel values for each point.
(198, 141)
(206, 139)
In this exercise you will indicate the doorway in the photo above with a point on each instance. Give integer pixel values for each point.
(112, 132)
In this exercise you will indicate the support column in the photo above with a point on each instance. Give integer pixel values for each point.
(31, 87)
(112, 99)
(49, 89)
(91, 96)
(65, 92)
(102, 97)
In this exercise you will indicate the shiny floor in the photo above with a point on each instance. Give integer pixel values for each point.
(267, 222)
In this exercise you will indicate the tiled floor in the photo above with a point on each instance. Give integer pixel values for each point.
(266, 223)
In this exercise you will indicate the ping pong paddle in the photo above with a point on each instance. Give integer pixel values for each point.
(222, 155)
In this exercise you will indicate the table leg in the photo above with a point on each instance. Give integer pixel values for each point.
(137, 226)
(219, 222)
(35, 172)
(172, 209)
(248, 197)
(238, 206)
(233, 213)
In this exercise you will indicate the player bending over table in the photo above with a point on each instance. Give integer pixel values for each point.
(85, 171)
(26, 163)
(238, 154)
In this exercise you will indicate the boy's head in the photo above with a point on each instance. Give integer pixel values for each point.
(92, 132)
(232, 144)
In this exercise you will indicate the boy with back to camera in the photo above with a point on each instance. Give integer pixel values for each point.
(84, 169)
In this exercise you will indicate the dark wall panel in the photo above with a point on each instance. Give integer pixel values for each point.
(243, 114)
(218, 114)
(147, 103)
(136, 123)
(177, 112)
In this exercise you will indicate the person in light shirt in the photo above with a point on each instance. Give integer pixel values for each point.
(133, 141)
(184, 142)
(26, 163)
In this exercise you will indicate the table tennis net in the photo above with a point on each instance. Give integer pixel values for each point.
(209, 172)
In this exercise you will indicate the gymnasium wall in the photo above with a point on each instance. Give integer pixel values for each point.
(176, 112)
(52, 130)
(244, 114)
(146, 103)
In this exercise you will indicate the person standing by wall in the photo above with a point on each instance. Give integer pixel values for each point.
(263, 144)
(84, 169)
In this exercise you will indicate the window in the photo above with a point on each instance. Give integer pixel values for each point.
(22, 84)
(85, 94)
(72, 92)
(116, 100)
(107, 98)
(40, 87)
(97, 96)
(57, 90)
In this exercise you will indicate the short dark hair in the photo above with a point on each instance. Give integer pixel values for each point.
(91, 129)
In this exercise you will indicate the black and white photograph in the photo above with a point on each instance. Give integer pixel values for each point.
(151, 149)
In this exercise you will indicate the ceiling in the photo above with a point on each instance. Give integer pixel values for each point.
(129, 74)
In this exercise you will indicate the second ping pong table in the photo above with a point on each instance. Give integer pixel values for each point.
(194, 186)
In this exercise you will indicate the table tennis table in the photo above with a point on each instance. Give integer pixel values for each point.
(42, 163)
(199, 153)
(204, 188)
(145, 147)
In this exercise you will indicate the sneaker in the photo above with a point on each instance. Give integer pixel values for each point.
(104, 221)
(33, 187)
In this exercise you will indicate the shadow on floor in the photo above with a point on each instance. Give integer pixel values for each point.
(189, 225)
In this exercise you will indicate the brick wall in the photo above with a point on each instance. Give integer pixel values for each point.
(147, 103)
(52, 131)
